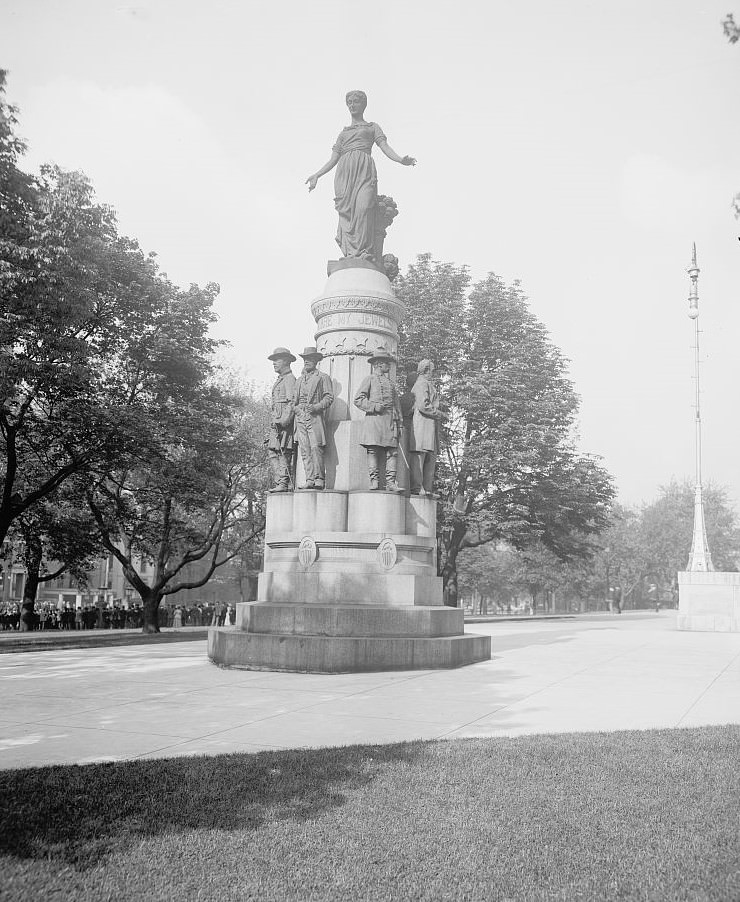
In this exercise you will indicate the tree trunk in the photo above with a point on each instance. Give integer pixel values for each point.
(32, 560)
(451, 544)
(5, 524)
(449, 581)
(151, 602)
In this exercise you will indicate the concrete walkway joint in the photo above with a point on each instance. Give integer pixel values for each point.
(596, 672)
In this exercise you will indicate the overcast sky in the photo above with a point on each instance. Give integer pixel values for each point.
(579, 146)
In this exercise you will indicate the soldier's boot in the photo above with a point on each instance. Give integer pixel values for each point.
(282, 485)
(415, 477)
(391, 471)
(279, 470)
(391, 484)
(428, 463)
(372, 469)
(308, 468)
(318, 464)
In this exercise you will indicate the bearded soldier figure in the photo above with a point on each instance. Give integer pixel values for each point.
(424, 434)
(280, 445)
(313, 396)
(381, 428)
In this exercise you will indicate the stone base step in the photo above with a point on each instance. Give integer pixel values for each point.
(232, 647)
(350, 620)
(347, 587)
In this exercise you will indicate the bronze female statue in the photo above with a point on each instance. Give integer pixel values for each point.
(356, 181)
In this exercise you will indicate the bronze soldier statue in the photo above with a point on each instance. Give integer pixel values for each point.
(424, 436)
(281, 445)
(381, 428)
(313, 396)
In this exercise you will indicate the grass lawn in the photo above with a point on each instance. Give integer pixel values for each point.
(642, 815)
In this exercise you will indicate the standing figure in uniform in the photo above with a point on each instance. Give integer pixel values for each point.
(424, 437)
(313, 396)
(280, 445)
(381, 428)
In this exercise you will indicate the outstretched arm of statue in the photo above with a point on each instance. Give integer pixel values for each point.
(392, 155)
(327, 167)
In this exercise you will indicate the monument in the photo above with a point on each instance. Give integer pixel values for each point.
(350, 561)
(708, 599)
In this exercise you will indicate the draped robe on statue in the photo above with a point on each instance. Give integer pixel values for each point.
(356, 189)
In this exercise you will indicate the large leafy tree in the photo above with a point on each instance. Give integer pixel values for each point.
(107, 384)
(76, 300)
(187, 500)
(18, 199)
(509, 468)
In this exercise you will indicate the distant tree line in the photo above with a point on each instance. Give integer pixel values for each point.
(635, 565)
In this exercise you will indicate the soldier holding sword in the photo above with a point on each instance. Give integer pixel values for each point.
(381, 428)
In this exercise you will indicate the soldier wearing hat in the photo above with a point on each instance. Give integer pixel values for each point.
(281, 445)
(381, 428)
(312, 397)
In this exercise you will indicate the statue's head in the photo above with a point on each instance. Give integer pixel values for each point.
(356, 97)
(425, 367)
(281, 360)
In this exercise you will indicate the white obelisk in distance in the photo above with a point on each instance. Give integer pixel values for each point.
(700, 558)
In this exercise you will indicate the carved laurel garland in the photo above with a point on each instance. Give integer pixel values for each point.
(392, 309)
(348, 346)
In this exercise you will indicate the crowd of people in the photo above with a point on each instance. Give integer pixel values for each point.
(197, 615)
(10, 617)
(116, 616)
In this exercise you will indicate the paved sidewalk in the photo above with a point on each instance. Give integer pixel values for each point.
(14, 642)
(590, 673)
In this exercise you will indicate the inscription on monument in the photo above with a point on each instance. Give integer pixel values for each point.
(339, 320)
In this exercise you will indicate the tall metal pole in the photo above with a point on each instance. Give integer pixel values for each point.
(699, 558)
